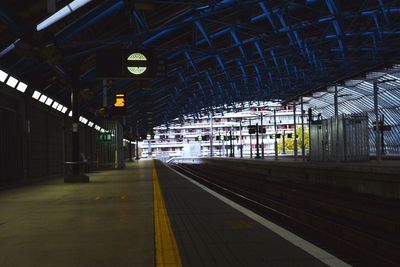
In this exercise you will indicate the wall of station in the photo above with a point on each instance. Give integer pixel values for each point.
(35, 140)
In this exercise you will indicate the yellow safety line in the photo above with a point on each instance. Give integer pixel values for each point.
(167, 252)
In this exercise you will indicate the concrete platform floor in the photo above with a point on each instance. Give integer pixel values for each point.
(140, 216)
(107, 222)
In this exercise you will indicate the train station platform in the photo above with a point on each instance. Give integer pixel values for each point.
(143, 215)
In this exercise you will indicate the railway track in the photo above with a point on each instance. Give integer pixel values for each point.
(362, 230)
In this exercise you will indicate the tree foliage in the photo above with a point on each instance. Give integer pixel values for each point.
(289, 142)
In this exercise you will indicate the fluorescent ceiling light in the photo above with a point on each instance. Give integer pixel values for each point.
(43, 98)
(12, 82)
(9, 48)
(59, 108)
(65, 11)
(70, 113)
(22, 87)
(49, 101)
(3, 76)
(36, 95)
(55, 105)
(90, 124)
(64, 109)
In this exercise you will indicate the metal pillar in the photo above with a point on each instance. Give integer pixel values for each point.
(310, 118)
(382, 125)
(130, 151)
(336, 106)
(336, 103)
(377, 133)
(283, 142)
(295, 131)
(303, 147)
(220, 143)
(262, 136)
(251, 145)
(148, 148)
(257, 143)
(241, 139)
(76, 176)
(137, 150)
(231, 153)
(276, 142)
(211, 135)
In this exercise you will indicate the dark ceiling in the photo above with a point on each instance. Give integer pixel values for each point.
(218, 52)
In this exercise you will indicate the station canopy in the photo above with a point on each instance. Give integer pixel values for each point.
(216, 52)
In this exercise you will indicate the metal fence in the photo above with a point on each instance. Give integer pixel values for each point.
(342, 138)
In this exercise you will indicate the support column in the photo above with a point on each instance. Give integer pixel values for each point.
(336, 106)
(303, 147)
(137, 149)
(251, 145)
(336, 103)
(257, 143)
(241, 138)
(211, 135)
(262, 136)
(231, 154)
(275, 142)
(76, 176)
(377, 133)
(382, 125)
(295, 131)
(310, 118)
(130, 151)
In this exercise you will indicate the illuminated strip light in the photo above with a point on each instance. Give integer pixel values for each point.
(43, 98)
(65, 11)
(60, 107)
(22, 87)
(3, 76)
(12, 82)
(70, 114)
(55, 105)
(90, 124)
(64, 109)
(48, 101)
(83, 120)
(36, 95)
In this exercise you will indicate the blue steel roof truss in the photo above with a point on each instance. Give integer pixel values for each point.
(219, 52)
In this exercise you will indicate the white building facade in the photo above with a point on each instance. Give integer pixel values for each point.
(206, 137)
